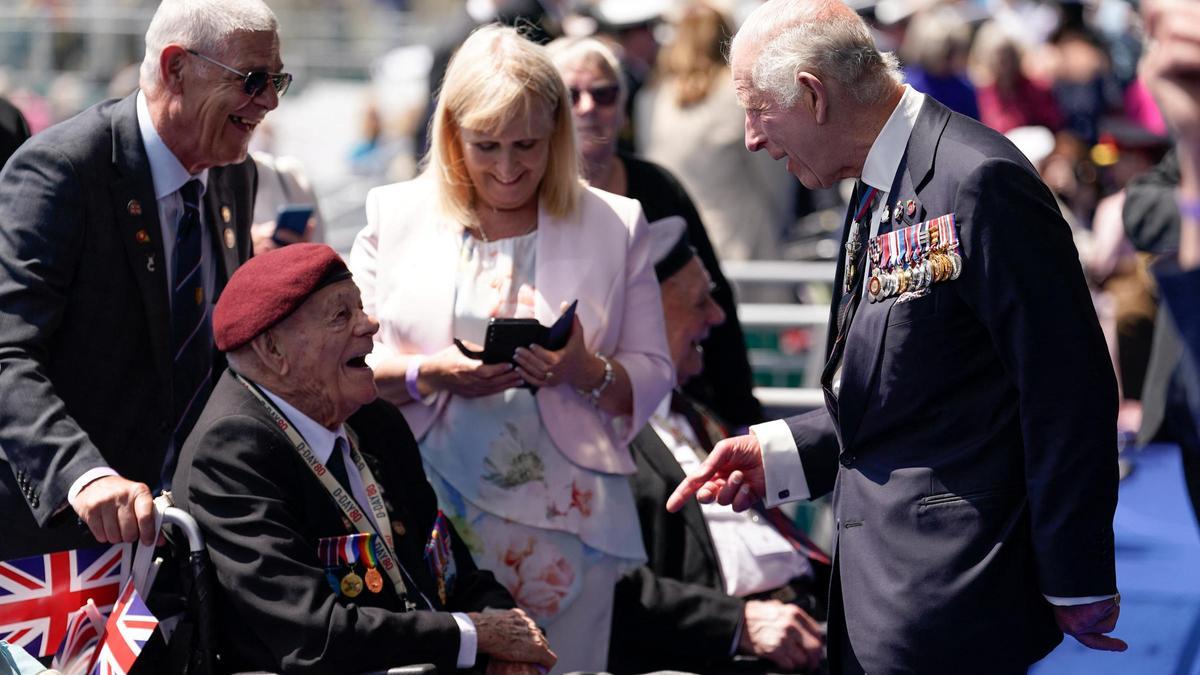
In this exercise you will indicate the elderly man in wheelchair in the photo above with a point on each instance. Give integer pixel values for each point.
(329, 552)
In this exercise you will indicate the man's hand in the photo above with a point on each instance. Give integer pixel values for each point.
(1089, 623)
(783, 634)
(510, 635)
(732, 474)
(117, 510)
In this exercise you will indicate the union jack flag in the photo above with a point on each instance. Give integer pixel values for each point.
(84, 629)
(38, 594)
(128, 628)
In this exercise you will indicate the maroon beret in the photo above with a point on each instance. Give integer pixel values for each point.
(269, 287)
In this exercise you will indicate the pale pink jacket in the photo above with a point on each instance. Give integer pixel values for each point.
(404, 261)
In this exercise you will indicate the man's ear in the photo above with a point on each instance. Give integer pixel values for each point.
(171, 67)
(270, 353)
(813, 96)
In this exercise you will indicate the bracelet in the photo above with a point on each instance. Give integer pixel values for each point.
(609, 376)
(410, 377)
(1189, 209)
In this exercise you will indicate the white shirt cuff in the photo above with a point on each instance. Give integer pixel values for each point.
(83, 481)
(468, 640)
(781, 464)
(1071, 602)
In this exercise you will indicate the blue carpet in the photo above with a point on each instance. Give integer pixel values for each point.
(1158, 573)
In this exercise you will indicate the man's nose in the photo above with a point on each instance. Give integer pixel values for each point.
(370, 325)
(755, 140)
(268, 97)
(716, 315)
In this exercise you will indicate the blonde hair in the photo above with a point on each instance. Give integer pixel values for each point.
(695, 59)
(497, 77)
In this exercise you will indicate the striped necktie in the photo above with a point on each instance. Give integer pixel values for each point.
(191, 330)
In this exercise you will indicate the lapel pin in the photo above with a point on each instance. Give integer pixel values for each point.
(899, 211)
(150, 263)
(226, 215)
(911, 208)
(134, 207)
(230, 238)
(142, 237)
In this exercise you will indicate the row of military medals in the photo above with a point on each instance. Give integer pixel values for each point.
(913, 258)
(341, 557)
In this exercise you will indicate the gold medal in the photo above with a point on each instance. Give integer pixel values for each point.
(374, 580)
(352, 585)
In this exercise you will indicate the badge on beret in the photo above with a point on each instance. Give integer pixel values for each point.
(230, 239)
(134, 208)
(142, 237)
(226, 215)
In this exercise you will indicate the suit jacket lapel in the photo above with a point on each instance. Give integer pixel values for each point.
(136, 216)
(221, 219)
(864, 344)
(659, 457)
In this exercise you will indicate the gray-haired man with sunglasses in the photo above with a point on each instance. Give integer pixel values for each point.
(118, 229)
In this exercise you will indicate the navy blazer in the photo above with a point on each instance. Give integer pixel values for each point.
(972, 448)
(85, 330)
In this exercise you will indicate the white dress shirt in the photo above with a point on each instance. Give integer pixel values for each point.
(785, 480)
(323, 441)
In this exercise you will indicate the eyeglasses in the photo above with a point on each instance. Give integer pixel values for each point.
(254, 82)
(601, 96)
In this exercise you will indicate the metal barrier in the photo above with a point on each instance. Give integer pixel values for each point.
(776, 316)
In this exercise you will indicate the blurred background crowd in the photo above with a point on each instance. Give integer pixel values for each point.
(1058, 77)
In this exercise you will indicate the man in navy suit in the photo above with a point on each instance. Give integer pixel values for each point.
(118, 228)
(969, 432)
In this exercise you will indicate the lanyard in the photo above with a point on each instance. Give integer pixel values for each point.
(383, 543)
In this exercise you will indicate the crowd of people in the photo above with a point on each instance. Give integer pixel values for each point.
(513, 430)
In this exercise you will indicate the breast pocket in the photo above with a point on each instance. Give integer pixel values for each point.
(908, 308)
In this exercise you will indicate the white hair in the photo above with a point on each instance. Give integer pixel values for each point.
(824, 38)
(202, 25)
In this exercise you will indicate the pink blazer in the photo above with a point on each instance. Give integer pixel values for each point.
(404, 261)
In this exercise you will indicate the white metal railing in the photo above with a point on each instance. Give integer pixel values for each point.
(778, 271)
(782, 316)
(773, 315)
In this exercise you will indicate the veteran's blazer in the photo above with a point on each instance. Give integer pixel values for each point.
(971, 449)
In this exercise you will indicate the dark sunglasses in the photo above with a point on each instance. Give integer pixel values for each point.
(254, 82)
(602, 96)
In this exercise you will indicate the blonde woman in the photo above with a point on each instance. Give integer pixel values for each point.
(499, 225)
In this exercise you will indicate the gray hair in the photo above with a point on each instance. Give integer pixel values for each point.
(569, 51)
(825, 38)
(202, 25)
